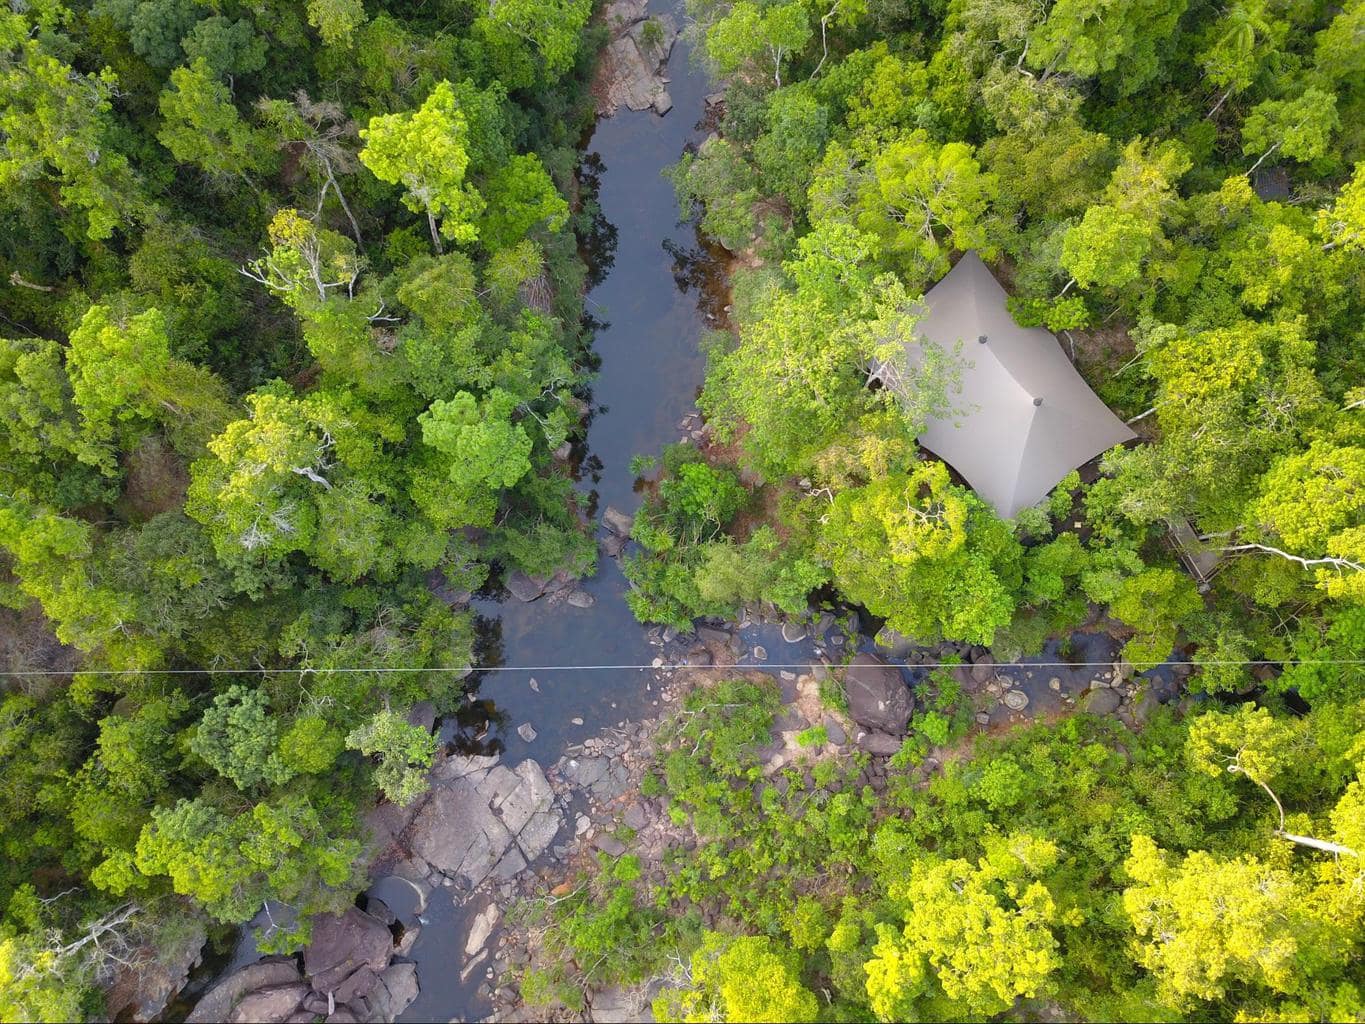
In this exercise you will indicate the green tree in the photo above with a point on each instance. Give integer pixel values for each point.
(481, 451)
(427, 151)
(928, 555)
(1154, 603)
(1300, 128)
(1204, 924)
(404, 751)
(238, 736)
(740, 978)
(753, 33)
(520, 195)
(57, 127)
(201, 126)
(976, 936)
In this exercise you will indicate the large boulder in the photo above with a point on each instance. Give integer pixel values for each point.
(342, 943)
(878, 744)
(523, 587)
(217, 1003)
(618, 522)
(878, 698)
(269, 1005)
(395, 992)
(1101, 701)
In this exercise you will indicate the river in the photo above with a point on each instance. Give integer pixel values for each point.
(649, 323)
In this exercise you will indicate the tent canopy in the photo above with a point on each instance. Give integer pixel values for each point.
(1024, 417)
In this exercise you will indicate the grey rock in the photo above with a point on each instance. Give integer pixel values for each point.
(358, 983)
(526, 732)
(983, 668)
(635, 817)
(511, 865)
(619, 1006)
(217, 1002)
(617, 521)
(697, 656)
(1015, 700)
(343, 1015)
(834, 731)
(612, 784)
(609, 845)
(793, 633)
(584, 771)
(343, 942)
(1101, 702)
(458, 834)
(316, 1003)
(895, 645)
(710, 635)
(481, 928)
(523, 587)
(269, 1005)
(760, 653)
(459, 766)
(877, 695)
(395, 992)
(538, 834)
(613, 544)
(378, 909)
(581, 599)
(878, 744)
(497, 784)
(532, 794)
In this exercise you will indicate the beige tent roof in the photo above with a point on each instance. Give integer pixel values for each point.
(1024, 417)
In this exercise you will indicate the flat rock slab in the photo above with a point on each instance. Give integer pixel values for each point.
(584, 771)
(470, 823)
(538, 834)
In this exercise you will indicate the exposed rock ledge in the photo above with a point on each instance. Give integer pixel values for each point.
(631, 70)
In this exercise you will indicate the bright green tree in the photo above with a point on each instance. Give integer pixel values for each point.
(427, 152)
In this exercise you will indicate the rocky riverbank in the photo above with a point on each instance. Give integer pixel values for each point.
(631, 70)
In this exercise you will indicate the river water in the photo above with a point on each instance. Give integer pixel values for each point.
(655, 284)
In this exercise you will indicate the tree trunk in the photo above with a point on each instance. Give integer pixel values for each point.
(435, 235)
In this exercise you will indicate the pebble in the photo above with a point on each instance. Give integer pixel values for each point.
(576, 721)
(760, 653)
(1015, 700)
(526, 732)
(1055, 684)
(535, 685)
